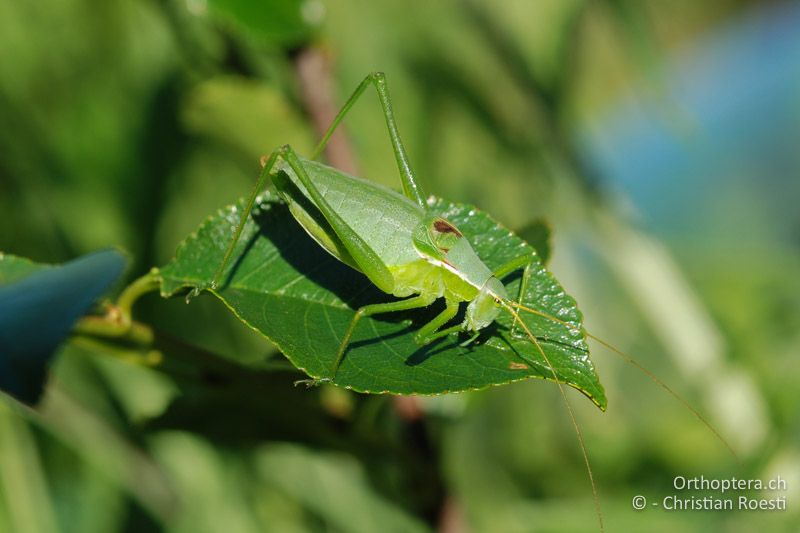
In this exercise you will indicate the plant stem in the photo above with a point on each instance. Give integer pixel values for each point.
(117, 322)
(137, 356)
(147, 283)
(314, 74)
(103, 326)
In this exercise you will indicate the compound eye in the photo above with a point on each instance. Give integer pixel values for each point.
(441, 225)
(444, 234)
(497, 302)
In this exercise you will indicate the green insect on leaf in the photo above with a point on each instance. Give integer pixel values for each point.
(293, 292)
(411, 296)
(358, 309)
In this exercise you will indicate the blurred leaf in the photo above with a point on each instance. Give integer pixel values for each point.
(246, 115)
(210, 482)
(297, 295)
(96, 441)
(24, 494)
(37, 311)
(332, 486)
(279, 22)
(13, 268)
(234, 407)
(231, 404)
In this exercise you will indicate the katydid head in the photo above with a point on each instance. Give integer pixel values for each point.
(441, 241)
(485, 307)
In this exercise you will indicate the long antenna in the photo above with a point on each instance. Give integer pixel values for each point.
(641, 367)
(569, 410)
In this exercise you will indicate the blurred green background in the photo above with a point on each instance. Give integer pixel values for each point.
(657, 139)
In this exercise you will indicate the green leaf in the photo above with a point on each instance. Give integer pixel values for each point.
(38, 305)
(283, 285)
(13, 268)
(332, 485)
(280, 22)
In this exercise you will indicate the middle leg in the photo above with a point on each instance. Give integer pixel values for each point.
(415, 302)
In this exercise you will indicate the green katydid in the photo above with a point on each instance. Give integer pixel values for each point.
(389, 237)
(392, 240)
(399, 246)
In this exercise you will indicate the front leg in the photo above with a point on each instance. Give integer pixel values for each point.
(259, 186)
(515, 264)
(428, 333)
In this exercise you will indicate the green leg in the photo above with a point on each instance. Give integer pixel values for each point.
(428, 333)
(369, 263)
(260, 183)
(415, 302)
(365, 257)
(511, 266)
(378, 79)
(445, 332)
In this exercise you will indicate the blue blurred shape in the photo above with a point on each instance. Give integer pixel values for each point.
(37, 312)
(713, 152)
